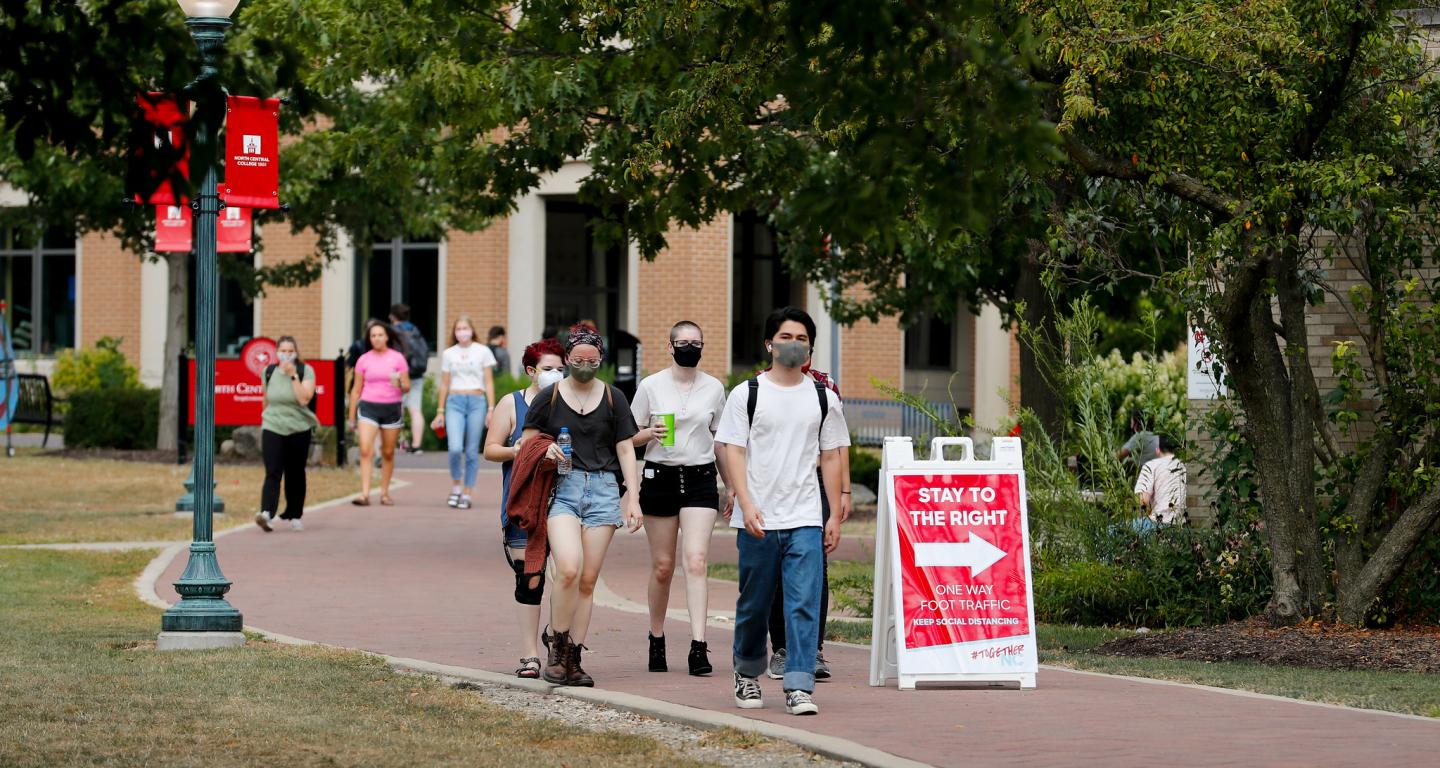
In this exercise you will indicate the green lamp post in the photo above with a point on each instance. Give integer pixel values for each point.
(203, 618)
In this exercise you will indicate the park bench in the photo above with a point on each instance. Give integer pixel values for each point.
(36, 404)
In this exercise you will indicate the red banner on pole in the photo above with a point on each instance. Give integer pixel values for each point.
(159, 152)
(232, 230)
(252, 153)
(173, 230)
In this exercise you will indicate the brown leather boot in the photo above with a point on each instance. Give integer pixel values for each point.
(574, 675)
(557, 663)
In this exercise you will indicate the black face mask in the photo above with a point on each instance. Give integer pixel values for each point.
(687, 357)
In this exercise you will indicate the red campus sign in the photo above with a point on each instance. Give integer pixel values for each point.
(953, 599)
(962, 567)
(240, 389)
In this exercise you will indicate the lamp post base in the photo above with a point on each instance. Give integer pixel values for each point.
(198, 641)
(185, 505)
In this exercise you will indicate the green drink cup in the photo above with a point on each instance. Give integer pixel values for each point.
(667, 420)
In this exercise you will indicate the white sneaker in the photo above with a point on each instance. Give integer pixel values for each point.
(800, 703)
(296, 525)
(747, 692)
(263, 519)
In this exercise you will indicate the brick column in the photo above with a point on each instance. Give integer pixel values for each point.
(477, 279)
(109, 294)
(291, 311)
(690, 280)
(871, 350)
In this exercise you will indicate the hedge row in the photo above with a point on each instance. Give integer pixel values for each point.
(113, 417)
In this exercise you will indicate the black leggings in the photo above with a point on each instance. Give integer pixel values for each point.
(285, 457)
(777, 605)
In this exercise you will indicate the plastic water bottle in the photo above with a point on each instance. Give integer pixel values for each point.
(562, 467)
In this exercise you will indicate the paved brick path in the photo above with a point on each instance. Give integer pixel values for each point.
(423, 581)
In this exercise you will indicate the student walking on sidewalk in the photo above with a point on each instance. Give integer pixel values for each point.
(382, 377)
(467, 395)
(287, 425)
(544, 363)
(587, 505)
(678, 492)
(775, 432)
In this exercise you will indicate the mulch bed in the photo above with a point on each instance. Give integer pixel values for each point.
(1322, 646)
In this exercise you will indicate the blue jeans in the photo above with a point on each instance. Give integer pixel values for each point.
(592, 497)
(794, 559)
(464, 420)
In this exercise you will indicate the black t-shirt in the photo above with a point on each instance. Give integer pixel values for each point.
(594, 435)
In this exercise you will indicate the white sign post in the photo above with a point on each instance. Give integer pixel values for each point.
(953, 600)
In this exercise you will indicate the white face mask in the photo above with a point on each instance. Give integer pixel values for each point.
(286, 357)
(463, 335)
(548, 378)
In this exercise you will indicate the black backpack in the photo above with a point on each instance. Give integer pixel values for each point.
(753, 396)
(299, 371)
(417, 352)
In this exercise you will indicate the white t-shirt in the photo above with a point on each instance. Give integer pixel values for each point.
(1162, 486)
(697, 416)
(783, 448)
(466, 365)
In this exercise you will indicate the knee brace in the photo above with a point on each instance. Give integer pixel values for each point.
(524, 593)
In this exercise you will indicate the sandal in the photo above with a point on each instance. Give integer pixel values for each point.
(386, 500)
(363, 501)
(529, 669)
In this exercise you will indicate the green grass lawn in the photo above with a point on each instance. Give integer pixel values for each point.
(81, 683)
(1072, 646)
(49, 499)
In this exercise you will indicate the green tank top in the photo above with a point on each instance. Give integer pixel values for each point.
(284, 415)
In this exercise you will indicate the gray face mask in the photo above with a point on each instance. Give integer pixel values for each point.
(790, 354)
(583, 373)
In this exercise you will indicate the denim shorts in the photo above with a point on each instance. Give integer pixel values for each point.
(593, 497)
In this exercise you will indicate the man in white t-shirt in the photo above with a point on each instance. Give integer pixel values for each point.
(1161, 485)
(774, 431)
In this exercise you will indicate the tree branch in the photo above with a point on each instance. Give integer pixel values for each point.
(1181, 185)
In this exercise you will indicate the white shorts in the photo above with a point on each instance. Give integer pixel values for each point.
(411, 400)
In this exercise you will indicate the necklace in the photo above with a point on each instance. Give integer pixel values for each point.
(685, 399)
(584, 400)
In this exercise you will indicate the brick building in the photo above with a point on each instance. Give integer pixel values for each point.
(536, 269)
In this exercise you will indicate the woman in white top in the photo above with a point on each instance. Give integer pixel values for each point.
(467, 394)
(678, 492)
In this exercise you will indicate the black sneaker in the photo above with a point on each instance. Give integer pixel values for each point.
(822, 670)
(747, 692)
(657, 654)
(700, 658)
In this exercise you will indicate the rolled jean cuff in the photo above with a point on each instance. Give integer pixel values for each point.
(754, 667)
(800, 681)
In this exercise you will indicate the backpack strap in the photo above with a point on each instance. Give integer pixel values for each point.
(269, 369)
(824, 404)
(752, 396)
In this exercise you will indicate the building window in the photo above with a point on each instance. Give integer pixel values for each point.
(930, 344)
(37, 281)
(583, 281)
(234, 312)
(400, 271)
(761, 284)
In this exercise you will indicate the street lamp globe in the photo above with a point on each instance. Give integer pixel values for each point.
(213, 9)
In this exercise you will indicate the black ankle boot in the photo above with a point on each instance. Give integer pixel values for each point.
(657, 654)
(700, 658)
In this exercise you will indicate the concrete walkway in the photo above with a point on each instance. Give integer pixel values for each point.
(422, 581)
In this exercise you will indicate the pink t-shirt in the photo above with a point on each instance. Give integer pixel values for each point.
(374, 369)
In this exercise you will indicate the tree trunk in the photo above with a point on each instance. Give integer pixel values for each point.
(1037, 391)
(1273, 390)
(176, 324)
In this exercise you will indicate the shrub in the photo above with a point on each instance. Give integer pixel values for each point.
(864, 467)
(1089, 592)
(103, 367)
(115, 417)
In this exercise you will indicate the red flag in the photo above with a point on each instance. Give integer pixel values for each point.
(172, 228)
(252, 153)
(232, 230)
(159, 152)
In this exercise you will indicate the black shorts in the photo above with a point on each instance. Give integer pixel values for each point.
(383, 415)
(665, 490)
